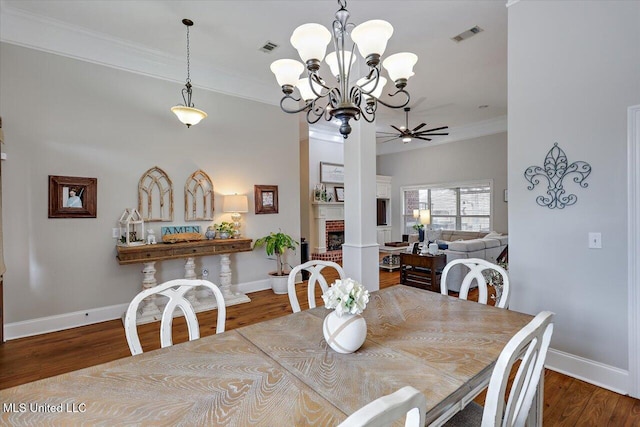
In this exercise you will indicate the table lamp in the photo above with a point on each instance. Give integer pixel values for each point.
(236, 204)
(425, 219)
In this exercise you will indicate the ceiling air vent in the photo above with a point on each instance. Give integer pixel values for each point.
(467, 34)
(268, 47)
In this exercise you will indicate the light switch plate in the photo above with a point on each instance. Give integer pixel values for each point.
(115, 233)
(595, 240)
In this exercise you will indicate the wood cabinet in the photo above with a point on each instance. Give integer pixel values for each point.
(422, 271)
(383, 187)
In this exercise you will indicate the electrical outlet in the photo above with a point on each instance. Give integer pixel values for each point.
(115, 233)
(595, 240)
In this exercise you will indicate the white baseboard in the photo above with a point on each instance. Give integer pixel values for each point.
(64, 321)
(596, 373)
(60, 322)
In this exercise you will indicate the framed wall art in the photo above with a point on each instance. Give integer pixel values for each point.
(72, 197)
(339, 193)
(266, 199)
(331, 173)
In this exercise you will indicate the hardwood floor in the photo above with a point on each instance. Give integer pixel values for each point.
(567, 401)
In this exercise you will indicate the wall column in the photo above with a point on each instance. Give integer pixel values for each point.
(360, 250)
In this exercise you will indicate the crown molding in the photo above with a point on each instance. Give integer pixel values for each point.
(49, 35)
(512, 2)
(459, 133)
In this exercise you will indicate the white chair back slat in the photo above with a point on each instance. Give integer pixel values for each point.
(314, 267)
(406, 402)
(476, 267)
(530, 344)
(175, 291)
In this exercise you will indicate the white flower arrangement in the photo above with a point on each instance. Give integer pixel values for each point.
(346, 296)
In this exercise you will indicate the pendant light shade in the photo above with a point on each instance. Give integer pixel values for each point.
(306, 93)
(372, 37)
(371, 83)
(400, 65)
(311, 41)
(287, 71)
(332, 62)
(187, 113)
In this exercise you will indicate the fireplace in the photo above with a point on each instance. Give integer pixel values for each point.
(328, 235)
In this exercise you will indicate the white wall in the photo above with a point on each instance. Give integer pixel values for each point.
(470, 160)
(66, 117)
(574, 68)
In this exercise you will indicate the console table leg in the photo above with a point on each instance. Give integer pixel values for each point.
(190, 274)
(230, 298)
(149, 307)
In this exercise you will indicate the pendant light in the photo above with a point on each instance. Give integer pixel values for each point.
(187, 113)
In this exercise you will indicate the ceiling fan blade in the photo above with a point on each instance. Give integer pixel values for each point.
(398, 129)
(420, 126)
(434, 129)
(391, 139)
(386, 133)
(426, 133)
(424, 139)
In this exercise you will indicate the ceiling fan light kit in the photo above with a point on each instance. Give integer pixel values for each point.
(187, 113)
(407, 134)
(343, 100)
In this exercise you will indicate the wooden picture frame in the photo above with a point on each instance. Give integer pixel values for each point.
(331, 173)
(72, 197)
(266, 199)
(339, 193)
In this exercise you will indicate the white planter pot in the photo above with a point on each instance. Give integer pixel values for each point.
(344, 334)
(279, 284)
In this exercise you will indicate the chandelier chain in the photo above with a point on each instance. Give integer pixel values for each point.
(188, 58)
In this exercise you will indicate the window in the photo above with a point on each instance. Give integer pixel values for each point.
(453, 206)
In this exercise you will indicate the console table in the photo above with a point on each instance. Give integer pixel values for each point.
(422, 271)
(149, 254)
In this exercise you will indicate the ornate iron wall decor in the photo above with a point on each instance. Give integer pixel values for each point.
(555, 169)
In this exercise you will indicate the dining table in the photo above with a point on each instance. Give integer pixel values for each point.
(281, 372)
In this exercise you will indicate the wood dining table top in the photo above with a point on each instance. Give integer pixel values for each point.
(281, 371)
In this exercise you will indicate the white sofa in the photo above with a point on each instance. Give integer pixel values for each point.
(468, 244)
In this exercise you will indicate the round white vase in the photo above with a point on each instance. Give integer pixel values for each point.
(344, 334)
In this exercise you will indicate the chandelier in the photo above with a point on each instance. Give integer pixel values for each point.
(187, 113)
(343, 100)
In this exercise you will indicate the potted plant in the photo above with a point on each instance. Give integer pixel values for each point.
(277, 243)
(225, 229)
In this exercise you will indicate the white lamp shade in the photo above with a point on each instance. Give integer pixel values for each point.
(416, 213)
(332, 62)
(425, 216)
(405, 140)
(311, 41)
(188, 115)
(235, 203)
(287, 71)
(305, 90)
(368, 86)
(400, 65)
(372, 36)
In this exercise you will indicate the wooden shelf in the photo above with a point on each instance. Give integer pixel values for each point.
(163, 251)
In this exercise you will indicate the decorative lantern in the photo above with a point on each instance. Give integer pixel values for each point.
(131, 228)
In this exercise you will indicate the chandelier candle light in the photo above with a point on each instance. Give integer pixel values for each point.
(187, 113)
(344, 100)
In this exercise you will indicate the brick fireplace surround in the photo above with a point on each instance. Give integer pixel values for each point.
(331, 226)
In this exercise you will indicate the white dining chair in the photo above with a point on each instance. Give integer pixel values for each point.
(314, 267)
(476, 267)
(406, 402)
(175, 290)
(530, 345)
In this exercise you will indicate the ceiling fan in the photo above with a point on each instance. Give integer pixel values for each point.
(406, 134)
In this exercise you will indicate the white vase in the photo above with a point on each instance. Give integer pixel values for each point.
(344, 334)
